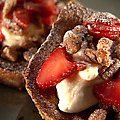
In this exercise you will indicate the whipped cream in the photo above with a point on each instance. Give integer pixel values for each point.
(75, 93)
(13, 40)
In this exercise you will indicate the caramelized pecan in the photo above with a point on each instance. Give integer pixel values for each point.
(110, 71)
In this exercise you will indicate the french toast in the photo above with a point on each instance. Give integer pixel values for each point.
(23, 27)
(44, 95)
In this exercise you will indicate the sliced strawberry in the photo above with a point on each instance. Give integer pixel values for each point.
(48, 20)
(56, 67)
(1, 5)
(48, 8)
(1, 35)
(109, 92)
(21, 17)
(9, 15)
(32, 7)
(103, 28)
(1, 8)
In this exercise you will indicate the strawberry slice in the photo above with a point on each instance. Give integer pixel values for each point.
(9, 15)
(48, 20)
(103, 28)
(1, 8)
(56, 68)
(48, 8)
(1, 36)
(21, 17)
(109, 92)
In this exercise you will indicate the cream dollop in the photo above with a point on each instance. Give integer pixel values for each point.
(12, 40)
(75, 93)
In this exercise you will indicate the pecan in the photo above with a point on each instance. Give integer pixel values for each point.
(104, 44)
(84, 44)
(111, 70)
(103, 57)
(103, 54)
(90, 53)
(9, 54)
(117, 51)
(73, 39)
(91, 45)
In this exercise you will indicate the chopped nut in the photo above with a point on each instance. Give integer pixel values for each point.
(10, 54)
(84, 44)
(117, 50)
(73, 39)
(91, 46)
(98, 114)
(104, 44)
(71, 42)
(91, 54)
(103, 57)
(110, 71)
(80, 29)
(103, 52)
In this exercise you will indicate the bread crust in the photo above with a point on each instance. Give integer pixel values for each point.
(11, 78)
(11, 73)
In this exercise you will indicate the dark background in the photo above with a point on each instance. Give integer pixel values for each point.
(112, 6)
(15, 105)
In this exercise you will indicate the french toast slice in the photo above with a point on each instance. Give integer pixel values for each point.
(19, 43)
(11, 73)
(46, 100)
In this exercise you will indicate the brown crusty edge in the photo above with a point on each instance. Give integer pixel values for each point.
(11, 78)
(11, 73)
(46, 100)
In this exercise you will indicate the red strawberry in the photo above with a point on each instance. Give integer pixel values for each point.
(48, 8)
(21, 17)
(103, 28)
(1, 8)
(48, 20)
(109, 92)
(56, 67)
(9, 15)
(1, 35)
(32, 7)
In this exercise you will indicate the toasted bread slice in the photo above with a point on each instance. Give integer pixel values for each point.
(46, 100)
(11, 73)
